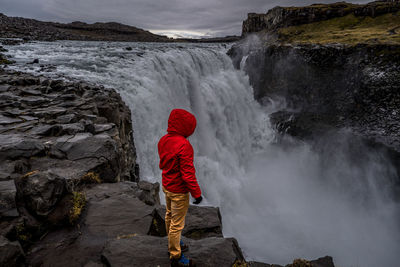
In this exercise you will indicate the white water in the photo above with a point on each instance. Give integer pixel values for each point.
(280, 201)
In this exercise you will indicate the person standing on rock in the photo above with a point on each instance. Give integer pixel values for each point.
(178, 179)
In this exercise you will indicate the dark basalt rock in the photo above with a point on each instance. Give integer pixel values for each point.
(8, 207)
(115, 218)
(280, 17)
(52, 148)
(11, 254)
(261, 264)
(332, 85)
(326, 261)
(151, 251)
(14, 146)
(112, 211)
(321, 262)
(40, 191)
(149, 193)
(201, 222)
(28, 129)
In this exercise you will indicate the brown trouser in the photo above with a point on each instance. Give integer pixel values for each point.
(176, 209)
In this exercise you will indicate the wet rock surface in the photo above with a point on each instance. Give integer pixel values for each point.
(330, 86)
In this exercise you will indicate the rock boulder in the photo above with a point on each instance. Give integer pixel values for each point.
(11, 254)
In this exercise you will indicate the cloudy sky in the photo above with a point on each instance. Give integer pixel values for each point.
(189, 18)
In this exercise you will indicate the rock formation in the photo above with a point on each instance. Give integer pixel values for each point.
(55, 138)
(326, 83)
(335, 85)
(281, 17)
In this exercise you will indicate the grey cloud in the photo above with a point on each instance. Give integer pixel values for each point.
(218, 17)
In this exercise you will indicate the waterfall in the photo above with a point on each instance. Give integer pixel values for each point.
(280, 200)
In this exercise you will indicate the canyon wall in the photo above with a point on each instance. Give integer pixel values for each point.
(280, 17)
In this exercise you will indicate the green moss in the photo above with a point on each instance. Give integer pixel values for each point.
(91, 178)
(349, 29)
(126, 236)
(155, 225)
(78, 203)
(22, 233)
(326, 7)
(239, 263)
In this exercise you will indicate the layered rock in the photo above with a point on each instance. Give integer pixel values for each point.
(333, 85)
(72, 129)
(55, 139)
(281, 17)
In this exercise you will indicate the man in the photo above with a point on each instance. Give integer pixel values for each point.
(178, 179)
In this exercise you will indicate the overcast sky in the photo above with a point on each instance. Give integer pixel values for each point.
(189, 18)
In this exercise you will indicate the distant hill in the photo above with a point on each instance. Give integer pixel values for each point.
(31, 29)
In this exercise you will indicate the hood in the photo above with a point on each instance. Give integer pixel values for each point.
(181, 122)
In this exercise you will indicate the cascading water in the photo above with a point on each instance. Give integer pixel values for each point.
(281, 201)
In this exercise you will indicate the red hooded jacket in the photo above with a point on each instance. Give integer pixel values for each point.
(176, 154)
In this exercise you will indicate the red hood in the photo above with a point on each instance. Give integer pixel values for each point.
(181, 122)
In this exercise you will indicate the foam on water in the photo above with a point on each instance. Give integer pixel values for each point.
(280, 201)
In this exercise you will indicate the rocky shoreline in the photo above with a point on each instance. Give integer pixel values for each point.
(70, 188)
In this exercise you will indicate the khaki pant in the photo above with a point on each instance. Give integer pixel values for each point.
(177, 206)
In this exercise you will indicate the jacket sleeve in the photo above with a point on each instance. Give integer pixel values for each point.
(188, 171)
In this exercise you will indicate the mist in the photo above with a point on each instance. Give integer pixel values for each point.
(333, 198)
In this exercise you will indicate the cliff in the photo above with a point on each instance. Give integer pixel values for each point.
(336, 66)
(31, 29)
(281, 17)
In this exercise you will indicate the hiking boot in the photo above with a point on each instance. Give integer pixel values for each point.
(181, 262)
